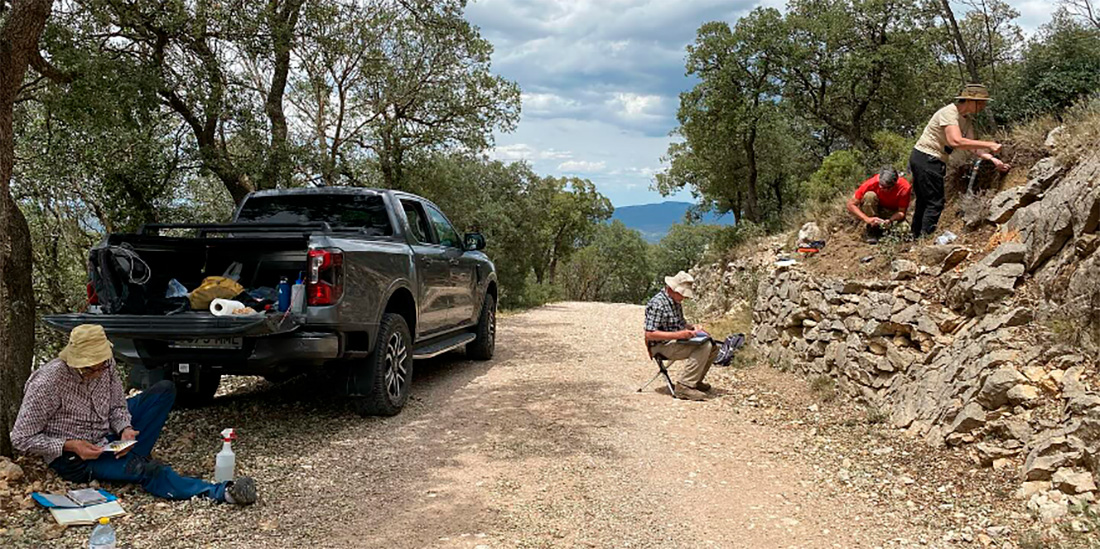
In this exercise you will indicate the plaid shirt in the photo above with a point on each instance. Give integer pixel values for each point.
(662, 314)
(59, 405)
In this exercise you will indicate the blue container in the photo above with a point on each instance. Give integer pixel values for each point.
(284, 295)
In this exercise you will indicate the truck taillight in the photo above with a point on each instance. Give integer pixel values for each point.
(93, 298)
(325, 282)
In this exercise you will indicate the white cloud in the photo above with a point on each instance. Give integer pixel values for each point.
(522, 151)
(582, 166)
(633, 105)
(547, 104)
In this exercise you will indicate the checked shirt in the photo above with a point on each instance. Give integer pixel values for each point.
(662, 314)
(59, 405)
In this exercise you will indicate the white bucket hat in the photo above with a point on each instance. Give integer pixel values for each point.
(681, 283)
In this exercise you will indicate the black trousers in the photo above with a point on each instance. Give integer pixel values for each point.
(928, 173)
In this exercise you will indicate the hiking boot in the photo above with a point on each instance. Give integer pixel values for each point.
(705, 387)
(689, 393)
(241, 491)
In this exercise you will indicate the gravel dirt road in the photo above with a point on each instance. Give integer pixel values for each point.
(547, 445)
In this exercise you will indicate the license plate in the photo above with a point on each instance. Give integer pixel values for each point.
(208, 343)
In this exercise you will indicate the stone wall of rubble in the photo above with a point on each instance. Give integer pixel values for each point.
(960, 361)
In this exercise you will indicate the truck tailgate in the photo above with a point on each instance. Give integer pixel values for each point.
(190, 324)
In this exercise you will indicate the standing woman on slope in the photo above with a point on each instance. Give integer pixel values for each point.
(949, 129)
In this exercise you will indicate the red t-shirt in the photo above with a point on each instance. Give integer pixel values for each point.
(896, 198)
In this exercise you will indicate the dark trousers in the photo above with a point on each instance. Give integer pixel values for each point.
(148, 412)
(928, 173)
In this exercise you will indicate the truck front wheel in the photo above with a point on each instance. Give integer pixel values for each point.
(383, 381)
(482, 347)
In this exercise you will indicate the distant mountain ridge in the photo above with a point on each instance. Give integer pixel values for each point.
(654, 220)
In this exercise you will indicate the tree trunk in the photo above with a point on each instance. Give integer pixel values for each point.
(282, 41)
(971, 65)
(753, 210)
(385, 161)
(18, 44)
(777, 186)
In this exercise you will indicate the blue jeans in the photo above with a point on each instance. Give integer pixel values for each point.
(148, 412)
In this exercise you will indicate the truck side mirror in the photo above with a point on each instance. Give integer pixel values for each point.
(474, 242)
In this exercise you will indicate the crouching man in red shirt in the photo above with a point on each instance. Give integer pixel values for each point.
(881, 201)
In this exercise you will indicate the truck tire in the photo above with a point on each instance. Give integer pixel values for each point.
(481, 348)
(196, 390)
(386, 376)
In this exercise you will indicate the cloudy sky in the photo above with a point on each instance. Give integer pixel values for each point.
(601, 80)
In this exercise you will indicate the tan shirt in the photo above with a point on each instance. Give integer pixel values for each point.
(934, 139)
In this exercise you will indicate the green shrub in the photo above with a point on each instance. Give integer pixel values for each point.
(890, 149)
(735, 235)
(839, 173)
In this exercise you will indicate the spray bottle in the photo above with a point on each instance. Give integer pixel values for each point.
(226, 460)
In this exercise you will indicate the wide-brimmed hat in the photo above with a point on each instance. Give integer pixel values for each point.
(88, 346)
(681, 283)
(975, 92)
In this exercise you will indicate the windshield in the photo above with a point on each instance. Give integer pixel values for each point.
(367, 212)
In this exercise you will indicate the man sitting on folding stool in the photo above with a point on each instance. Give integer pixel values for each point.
(667, 334)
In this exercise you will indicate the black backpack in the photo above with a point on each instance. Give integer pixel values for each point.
(119, 277)
(729, 346)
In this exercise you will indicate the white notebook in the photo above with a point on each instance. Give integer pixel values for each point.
(86, 515)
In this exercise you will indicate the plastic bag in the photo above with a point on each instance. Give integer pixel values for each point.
(946, 238)
(233, 272)
(175, 289)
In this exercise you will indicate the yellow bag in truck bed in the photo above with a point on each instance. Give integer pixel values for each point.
(214, 287)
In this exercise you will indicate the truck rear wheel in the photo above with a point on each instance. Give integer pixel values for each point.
(482, 347)
(384, 380)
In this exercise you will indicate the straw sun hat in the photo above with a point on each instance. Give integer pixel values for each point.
(681, 284)
(975, 92)
(88, 346)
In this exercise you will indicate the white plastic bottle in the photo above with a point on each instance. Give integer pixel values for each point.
(226, 460)
(298, 296)
(103, 536)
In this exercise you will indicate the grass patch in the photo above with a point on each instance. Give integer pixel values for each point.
(823, 388)
(745, 358)
(875, 416)
(1080, 137)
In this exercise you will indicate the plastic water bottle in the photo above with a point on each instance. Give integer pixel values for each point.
(284, 295)
(103, 536)
(226, 460)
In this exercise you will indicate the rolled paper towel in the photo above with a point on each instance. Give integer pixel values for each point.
(224, 307)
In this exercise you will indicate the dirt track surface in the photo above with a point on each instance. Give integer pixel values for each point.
(547, 445)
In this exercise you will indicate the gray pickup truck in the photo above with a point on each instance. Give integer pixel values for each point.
(388, 280)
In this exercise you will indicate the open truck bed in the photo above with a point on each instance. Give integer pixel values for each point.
(386, 280)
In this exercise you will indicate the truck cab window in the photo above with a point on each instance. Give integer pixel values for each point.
(366, 212)
(447, 234)
(417, 222)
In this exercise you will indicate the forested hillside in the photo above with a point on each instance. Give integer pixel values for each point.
(794, 107)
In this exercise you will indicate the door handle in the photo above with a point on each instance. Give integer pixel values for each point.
(453, 262)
